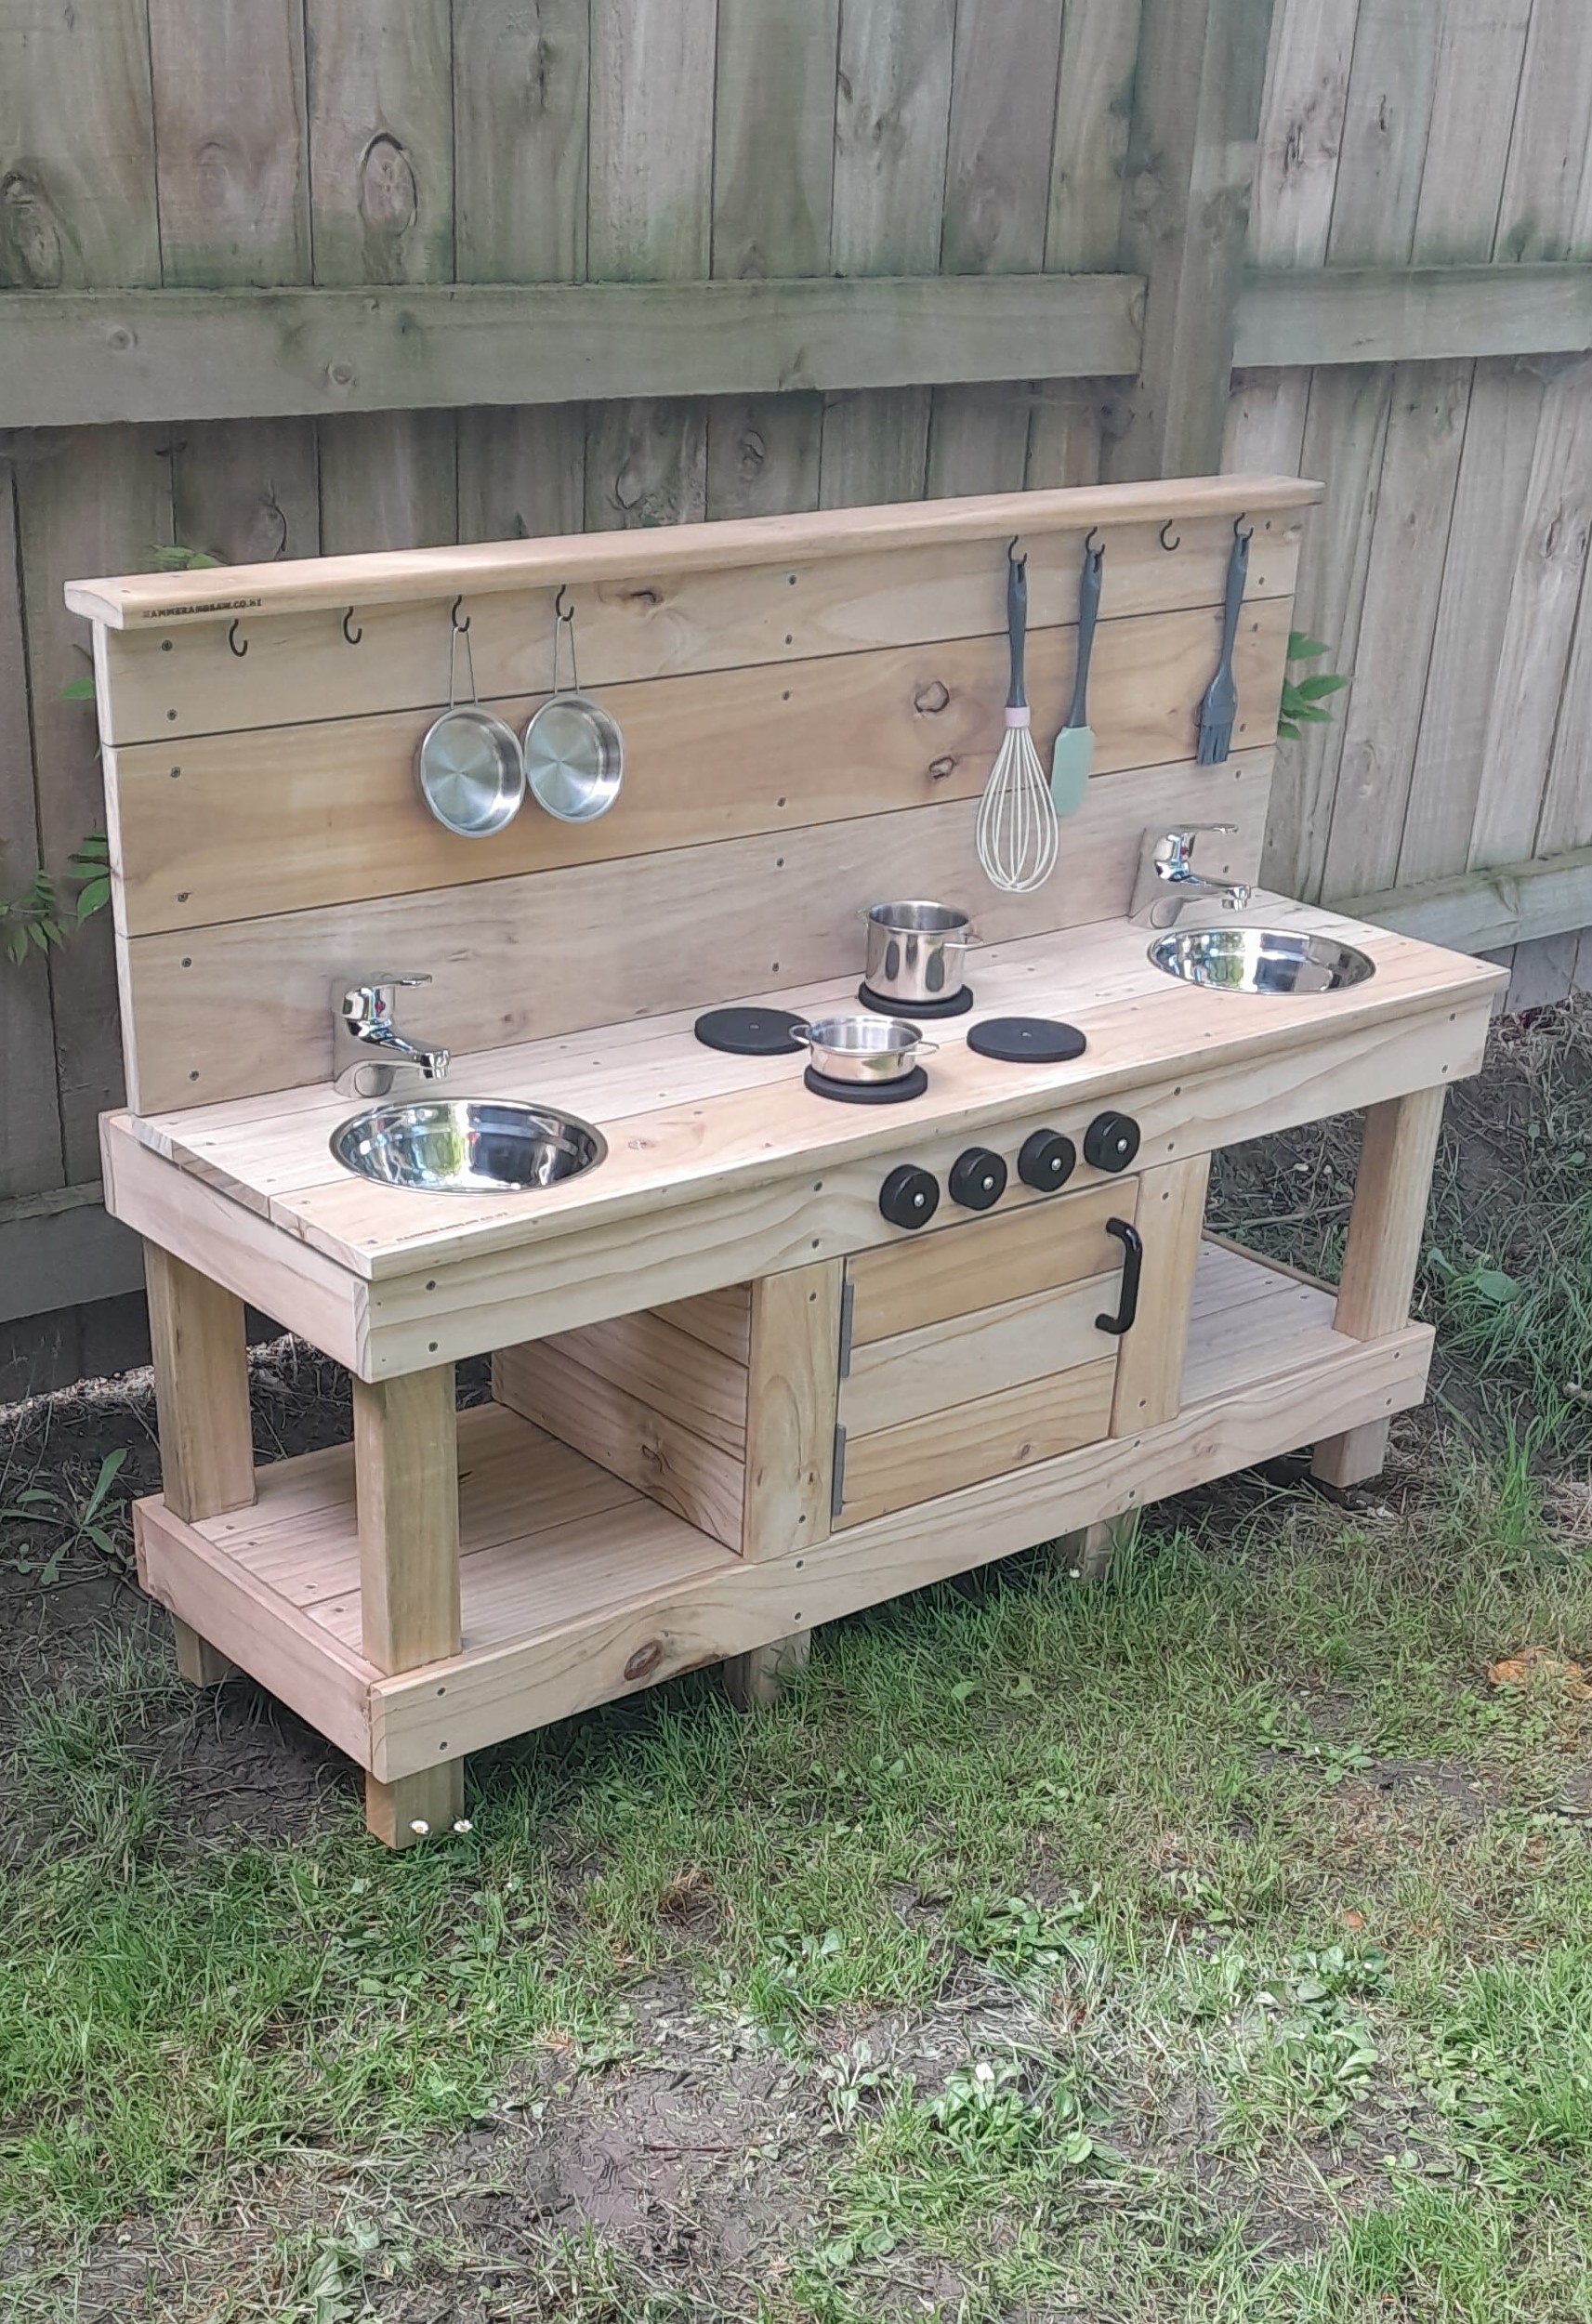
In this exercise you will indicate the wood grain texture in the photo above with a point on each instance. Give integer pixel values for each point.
(233, 183)
(202, 1389)
(651, 138)
(77, 147)
(1196, 109)
(942, 1453)
(246, 491)
(406, 1489)
(1094, 104)
(711, 920)
(166, 601)
(756, 1681)
(381, 139)
(162, 686)
(960, 1266)
(1002, 113)
(793, 1355)
(401, 1815)
(1169, 1214)
(388, 480)
(653, 1451)
(1420, 468)
(773, 136)
(1546, 211)
(239, 832)
(1301, 131)
(979, 1354)
(1386, 120)
(669, 1370)
(520, 76)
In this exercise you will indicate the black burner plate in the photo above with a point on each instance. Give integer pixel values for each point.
(748, 1032)
(1027, 1040)
(958, 1004)
(911, 1085)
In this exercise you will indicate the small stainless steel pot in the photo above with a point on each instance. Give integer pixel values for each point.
(915, 951)
(864, 1048)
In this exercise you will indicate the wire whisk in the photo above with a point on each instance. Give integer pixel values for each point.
(1016, 835)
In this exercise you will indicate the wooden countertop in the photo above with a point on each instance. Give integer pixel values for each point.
(683, 1122)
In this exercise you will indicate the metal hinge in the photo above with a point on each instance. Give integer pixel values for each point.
(837, 1488)
(847, 1303)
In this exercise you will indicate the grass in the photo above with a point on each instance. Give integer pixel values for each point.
(1234, 1877)
(1215, 1944)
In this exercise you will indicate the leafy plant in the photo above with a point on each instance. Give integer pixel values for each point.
(35, 919)
(66, 1523)
(1303, 697)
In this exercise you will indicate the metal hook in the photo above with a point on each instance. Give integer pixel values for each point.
(232, 641)
(460, 626)
(1012, 557)
(1237, 521)
(353, 636)
(1165, 542)
(1090, 548)
(563, 612)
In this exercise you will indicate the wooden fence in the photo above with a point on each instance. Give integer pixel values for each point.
(290, 276)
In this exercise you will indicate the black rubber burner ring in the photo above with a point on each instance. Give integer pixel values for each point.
(957, 1005)
(911, 1085)
(1027, 1040)
(749, 1032)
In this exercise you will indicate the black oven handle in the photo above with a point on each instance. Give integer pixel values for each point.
(1132, 1244)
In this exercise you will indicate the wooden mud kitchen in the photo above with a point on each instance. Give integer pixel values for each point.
(791, 1308)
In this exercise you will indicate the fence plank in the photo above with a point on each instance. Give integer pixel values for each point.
(773, 136)
(381, 140)
(1409, 539)
(772, 166)
(30, 1118)
(1003, 109)
(652, 140)
(1546, 188)
(519, 178)
(1196, 108)
(388, 480)
(1500, 436)
(85, 503)
(1549, 564)
(232, 176)
(978, 439)
(78, 147)
(1345, 429)
(1386, 124)
(521, 472)
(1567, 802)
(1094, 103)
(1480, 50)
(891, 135)
(1301, 132)
(246, 491)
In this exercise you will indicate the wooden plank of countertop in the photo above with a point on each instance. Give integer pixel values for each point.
(335, 582)
(671, 1153)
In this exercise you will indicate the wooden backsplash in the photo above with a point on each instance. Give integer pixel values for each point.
(808, 724)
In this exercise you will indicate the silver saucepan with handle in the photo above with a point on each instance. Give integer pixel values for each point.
(917, 951)
(856, 1048)
(573, 751)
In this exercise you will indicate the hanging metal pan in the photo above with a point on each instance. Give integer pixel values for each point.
(468, 765)
(573, 751)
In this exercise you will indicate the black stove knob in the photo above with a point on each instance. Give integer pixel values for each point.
(1046, 1162)
(978, 1178)
(1110, 1141)
(910, 1196)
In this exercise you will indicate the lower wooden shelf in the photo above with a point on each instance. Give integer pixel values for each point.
(576, 1589)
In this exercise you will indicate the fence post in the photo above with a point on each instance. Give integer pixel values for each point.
(1191, 162)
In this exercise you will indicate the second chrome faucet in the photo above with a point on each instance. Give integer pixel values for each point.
(1167, 882)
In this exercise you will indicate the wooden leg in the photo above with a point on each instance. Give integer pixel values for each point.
(1086, 1555)
(1391, 1195)
(406, 1485)
(197, 1660)
(201, 1403)
(752, 1681)
(434, 1798)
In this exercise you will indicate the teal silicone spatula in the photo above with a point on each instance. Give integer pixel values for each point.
(1074, 753)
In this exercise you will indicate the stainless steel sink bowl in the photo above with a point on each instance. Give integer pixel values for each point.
(466, 1145)
(1260, 960)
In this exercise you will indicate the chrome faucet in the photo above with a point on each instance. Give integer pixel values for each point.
(1167, 882)
(371, 1053)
